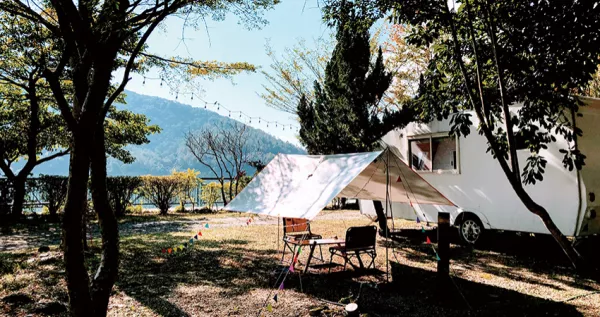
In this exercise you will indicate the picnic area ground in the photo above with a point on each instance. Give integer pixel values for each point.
(232, 269)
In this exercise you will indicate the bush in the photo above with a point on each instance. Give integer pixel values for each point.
(211, 193)
(189, 182)
(53, 190)
(161, 191)
(180, 208)
(120, 192)
(134, 209)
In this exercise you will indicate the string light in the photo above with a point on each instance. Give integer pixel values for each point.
(248, 119)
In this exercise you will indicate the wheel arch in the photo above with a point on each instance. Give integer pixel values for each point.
(468, 213)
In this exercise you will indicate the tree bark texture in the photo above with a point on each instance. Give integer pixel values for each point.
(107, 272)
(18, 196)
(76, 274)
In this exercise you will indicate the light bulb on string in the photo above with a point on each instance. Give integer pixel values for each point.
(205, 105)
(161, 82)
(192, 97)
(144, 82)
(240, 114)
(177, 96)
(258, 120)
(230, 114)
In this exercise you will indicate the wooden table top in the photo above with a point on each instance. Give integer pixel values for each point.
(315, 241)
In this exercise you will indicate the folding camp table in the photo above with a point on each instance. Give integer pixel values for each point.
(313, 243)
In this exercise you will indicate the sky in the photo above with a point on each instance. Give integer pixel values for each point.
(228, 41)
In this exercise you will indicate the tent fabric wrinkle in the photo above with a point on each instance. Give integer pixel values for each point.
(300, 186)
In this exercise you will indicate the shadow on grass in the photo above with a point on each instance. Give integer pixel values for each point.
(414, 291)
(151, 277)
(505, 254)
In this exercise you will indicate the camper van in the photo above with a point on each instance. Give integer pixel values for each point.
(472, 179)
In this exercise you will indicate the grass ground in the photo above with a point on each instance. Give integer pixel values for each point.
(232, 270)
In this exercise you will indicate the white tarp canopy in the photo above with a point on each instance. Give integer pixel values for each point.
(300, 186)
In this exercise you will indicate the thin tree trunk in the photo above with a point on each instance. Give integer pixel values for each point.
(76, 273)
(576, 259)
(107, 272)
(19, 197)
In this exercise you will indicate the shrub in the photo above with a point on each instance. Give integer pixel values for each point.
(180, 208)
(134, 209)
(53, 190)
(211, 193)
(189, 181)
(160, 190)
(120, 192)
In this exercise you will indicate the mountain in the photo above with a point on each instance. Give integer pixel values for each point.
(166, 150)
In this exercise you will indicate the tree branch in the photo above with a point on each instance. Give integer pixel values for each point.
(61, 101)
(53, 156)
(134, 54)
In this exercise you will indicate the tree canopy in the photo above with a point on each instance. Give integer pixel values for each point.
(346, 115)
(95, 38)
(489, 55)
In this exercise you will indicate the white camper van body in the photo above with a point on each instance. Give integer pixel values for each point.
(472, 179)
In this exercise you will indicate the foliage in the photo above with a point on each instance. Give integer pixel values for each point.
(345, 116)
(211, 193)
(120, 192)
(189, 182)
(405, 62)
(131, 209)
(230, 147)
(490, 55)
(31, 127)
(161, 191)
(293, 73)
(97, 38)
(53, 190)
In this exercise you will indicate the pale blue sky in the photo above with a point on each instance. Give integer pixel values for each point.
(231, 42)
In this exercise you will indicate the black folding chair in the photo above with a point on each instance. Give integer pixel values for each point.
(359, 240)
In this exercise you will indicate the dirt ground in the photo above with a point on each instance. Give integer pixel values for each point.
(234, 269)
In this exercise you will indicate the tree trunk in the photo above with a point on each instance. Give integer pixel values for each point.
(576, 259)
(76, 273)
(19, 197)
(381, 218)
(107, 272)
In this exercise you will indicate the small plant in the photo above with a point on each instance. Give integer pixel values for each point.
(134, 209)
(160, 190)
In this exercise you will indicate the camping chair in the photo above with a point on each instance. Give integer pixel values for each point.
(297, 229)
(359, 240)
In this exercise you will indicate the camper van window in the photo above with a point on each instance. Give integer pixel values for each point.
(421, 154)
(443, 152)
(437, 153)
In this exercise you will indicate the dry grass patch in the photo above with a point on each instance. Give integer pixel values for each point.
(232, 269)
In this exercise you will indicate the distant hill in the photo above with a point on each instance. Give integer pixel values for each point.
(166, 150)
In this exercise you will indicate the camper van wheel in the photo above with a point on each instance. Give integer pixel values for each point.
(470, 229)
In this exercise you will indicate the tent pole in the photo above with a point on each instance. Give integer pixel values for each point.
(387, 203)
